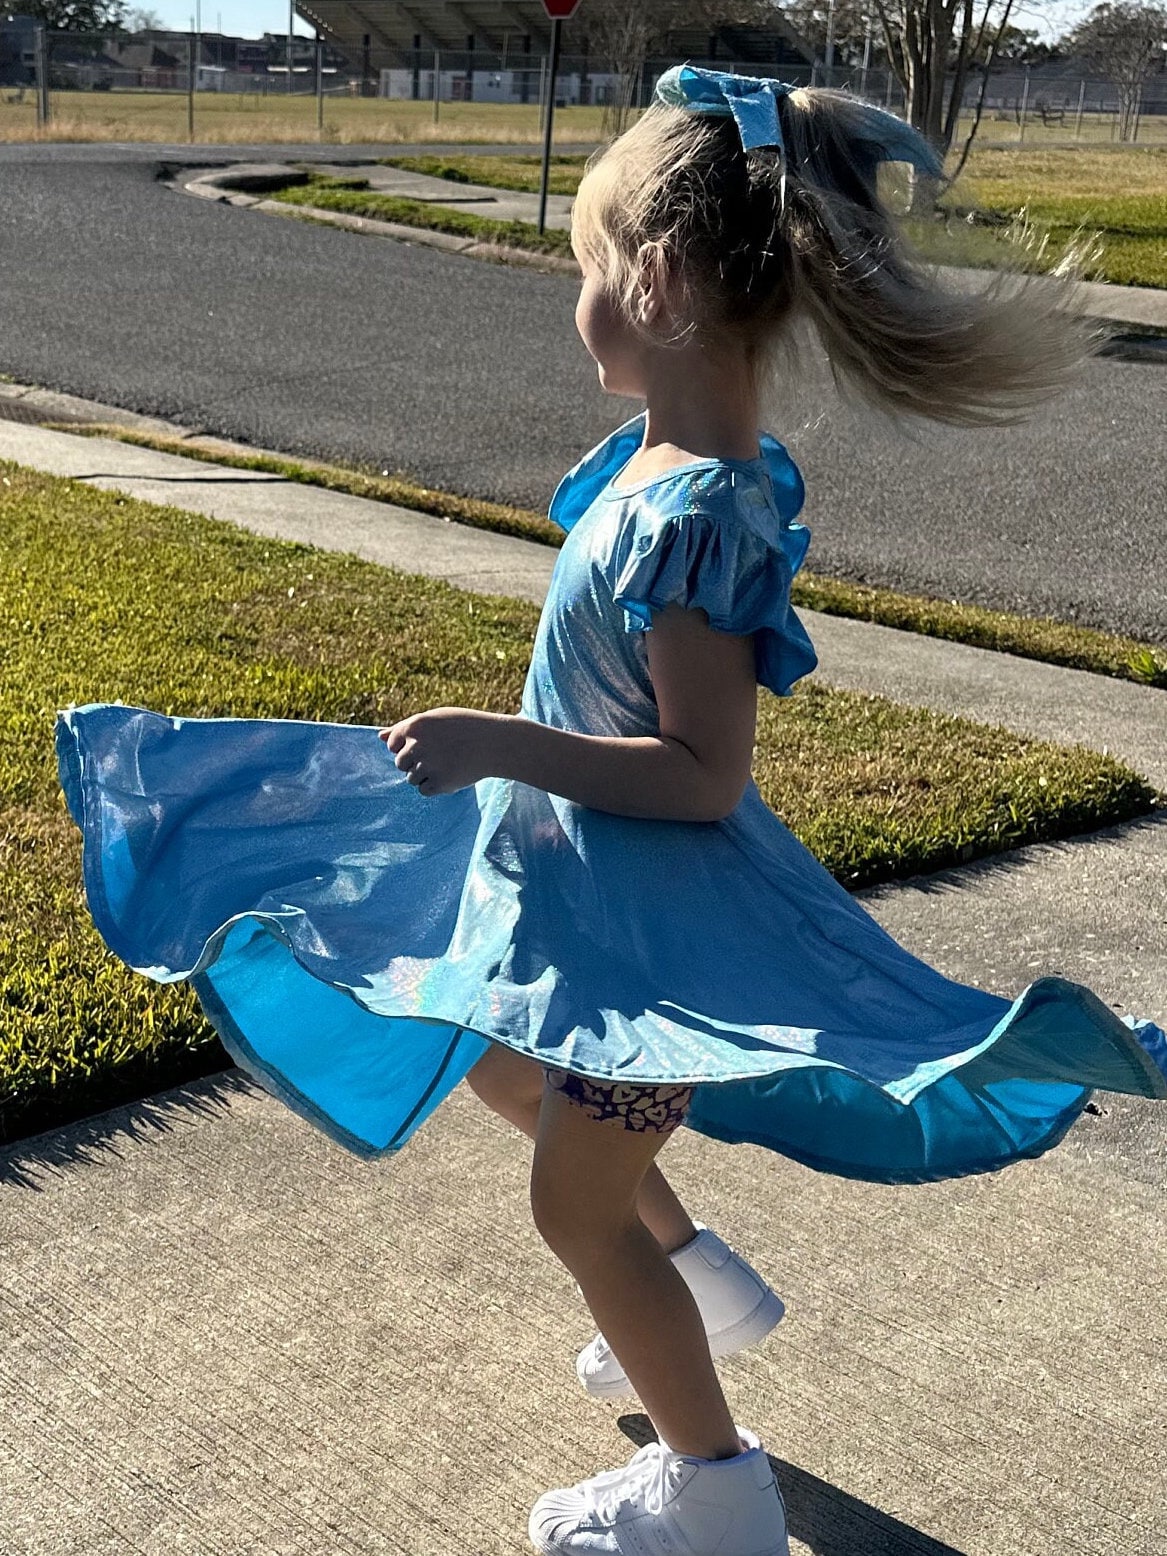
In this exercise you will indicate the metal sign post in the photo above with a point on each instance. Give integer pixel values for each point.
(319, 84)
(558, 11)
(40, 55)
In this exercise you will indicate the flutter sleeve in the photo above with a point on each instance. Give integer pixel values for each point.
(735, 562)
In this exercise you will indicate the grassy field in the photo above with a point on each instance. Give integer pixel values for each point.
(224, 117)
(104, 597)
(1122, 194)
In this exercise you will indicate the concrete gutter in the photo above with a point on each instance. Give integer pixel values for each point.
(246, 184)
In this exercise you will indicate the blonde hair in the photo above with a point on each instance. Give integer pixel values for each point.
(760, 250)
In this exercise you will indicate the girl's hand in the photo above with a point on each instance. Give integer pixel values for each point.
(445, 749)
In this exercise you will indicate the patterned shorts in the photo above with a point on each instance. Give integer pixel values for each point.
(648, 1109)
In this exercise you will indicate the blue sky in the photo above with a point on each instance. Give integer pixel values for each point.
(241, 18)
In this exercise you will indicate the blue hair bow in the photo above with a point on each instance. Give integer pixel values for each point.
(752, 102)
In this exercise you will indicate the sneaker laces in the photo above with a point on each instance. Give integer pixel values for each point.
(647, 1474)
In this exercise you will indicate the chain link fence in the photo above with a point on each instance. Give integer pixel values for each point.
(66, 76)
(213, 87)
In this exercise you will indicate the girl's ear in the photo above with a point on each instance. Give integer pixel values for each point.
(652, 284)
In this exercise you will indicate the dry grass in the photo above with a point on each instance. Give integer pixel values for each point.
(237, 118)
(1098, 130)
(240, 118)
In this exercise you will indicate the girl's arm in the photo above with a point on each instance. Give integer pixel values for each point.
(696, 769)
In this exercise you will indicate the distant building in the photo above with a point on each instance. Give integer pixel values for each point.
(17, 62)
(156, 60)
(490, 50)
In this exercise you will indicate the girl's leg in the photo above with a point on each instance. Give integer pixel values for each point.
(512, 1086)
(585, 1179)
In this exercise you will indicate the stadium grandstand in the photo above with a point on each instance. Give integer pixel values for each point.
(492, 48)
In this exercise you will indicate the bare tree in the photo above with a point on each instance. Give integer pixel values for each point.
(140, 19)
(1125, 41)
(930, 45)
(620, 35)
(933, 46)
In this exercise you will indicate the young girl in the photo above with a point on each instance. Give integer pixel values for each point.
(586, 909)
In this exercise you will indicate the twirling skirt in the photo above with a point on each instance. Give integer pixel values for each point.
(358, 946)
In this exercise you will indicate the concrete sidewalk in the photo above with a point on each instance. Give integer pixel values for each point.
(226, 1335)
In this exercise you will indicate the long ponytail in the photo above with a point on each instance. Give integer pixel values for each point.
(892, 328)
(760, 243)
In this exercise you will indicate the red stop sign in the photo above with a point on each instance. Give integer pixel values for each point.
(560, 8)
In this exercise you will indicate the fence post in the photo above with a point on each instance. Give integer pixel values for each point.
(1081, 105)
(190, 86)
(437, 83)
(319, 84)
(866, 58)
(40, 65)
(1024, 107)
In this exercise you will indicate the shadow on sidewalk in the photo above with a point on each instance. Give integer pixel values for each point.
(955, 878)
(829, 1522)
(25, 1162)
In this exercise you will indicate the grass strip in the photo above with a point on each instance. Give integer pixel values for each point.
(1052, 642)
(519, 173)
(355, 198)
(105, 597)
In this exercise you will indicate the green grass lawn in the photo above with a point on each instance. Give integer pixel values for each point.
(1119, 192)
(103, 597)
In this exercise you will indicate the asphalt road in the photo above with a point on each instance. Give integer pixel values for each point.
(469, 376)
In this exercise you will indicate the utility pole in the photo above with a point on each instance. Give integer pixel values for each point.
(190, 82)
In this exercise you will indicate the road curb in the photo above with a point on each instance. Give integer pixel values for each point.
(243, 187)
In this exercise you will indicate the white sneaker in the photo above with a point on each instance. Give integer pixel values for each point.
(667, 1504)
(735, 1303)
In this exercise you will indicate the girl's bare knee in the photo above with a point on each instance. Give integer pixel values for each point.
(506, 1082)
(569, 1215)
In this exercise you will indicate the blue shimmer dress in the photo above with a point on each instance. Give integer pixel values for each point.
(357, 945)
